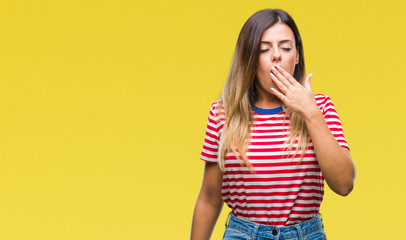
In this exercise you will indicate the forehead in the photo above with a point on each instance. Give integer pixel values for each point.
(278, 32)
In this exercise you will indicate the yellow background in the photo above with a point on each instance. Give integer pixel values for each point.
(104, 106)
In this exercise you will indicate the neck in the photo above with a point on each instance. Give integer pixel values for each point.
(268, 101)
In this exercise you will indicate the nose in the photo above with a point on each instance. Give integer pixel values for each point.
(276, 55)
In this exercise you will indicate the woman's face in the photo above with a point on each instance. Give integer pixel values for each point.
(278, 47)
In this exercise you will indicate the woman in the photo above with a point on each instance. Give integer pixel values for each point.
(262, 138)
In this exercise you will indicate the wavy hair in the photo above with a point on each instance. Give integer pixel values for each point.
(239, 93)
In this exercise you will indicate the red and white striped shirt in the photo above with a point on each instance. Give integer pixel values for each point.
(281, 192)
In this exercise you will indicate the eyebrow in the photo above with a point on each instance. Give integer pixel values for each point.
(282, 41)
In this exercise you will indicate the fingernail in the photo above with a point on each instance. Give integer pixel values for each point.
(275, 67)
(273, 89)
(272, 75)
(311, 75)
(279, 66)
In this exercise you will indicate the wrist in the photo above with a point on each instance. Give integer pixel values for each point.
(312, 113)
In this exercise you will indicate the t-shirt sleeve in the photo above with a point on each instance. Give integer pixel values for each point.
(333, 121)
(212, 137)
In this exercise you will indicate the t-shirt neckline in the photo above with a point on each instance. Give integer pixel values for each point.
(268, 111)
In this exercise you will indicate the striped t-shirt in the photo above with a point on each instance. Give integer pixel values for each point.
(281, 192)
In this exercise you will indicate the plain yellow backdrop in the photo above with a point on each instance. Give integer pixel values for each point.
(104, 106)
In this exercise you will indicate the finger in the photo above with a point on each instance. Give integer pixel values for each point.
(278, 83)
(281, 78)
(279, 95)
(307, 83)
(287, 75)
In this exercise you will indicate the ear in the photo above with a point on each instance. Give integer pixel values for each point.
(297, 55)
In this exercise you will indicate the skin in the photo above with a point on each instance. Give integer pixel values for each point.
(278, 49)
(276, 84)
(335, 161)
(209, 203)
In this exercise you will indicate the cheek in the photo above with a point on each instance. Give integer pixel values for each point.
(263, 65)
(290, 63)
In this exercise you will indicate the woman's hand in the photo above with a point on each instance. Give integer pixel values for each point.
(335, 161)
(295, 96)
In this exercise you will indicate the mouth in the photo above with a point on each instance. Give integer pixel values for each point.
(279, 65)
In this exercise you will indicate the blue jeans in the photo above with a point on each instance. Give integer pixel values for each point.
(238, 229)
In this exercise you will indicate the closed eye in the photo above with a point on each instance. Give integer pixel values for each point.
(264, 50)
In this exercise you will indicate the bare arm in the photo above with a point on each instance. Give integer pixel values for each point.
(209, 203)
(335, 162)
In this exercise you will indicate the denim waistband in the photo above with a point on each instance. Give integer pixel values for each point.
(275, 232)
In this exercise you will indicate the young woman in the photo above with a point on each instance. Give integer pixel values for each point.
(262, 139)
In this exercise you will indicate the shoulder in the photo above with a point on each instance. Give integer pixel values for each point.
(323, 102)
(216, 108)
(321, 98)
(216, 116)
(216, 104)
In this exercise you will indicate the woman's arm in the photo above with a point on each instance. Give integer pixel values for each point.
(209, 203)
(335, 162)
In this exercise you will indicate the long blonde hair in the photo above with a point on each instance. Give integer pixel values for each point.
(239, 92)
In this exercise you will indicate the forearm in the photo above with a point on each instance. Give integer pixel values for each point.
(335, 162)
(205, 217)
